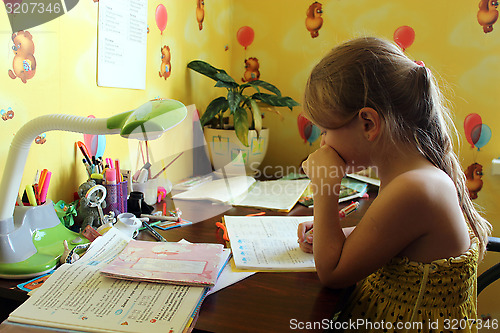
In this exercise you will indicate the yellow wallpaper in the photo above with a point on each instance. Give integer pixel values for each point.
(65, 82)
(453, 46)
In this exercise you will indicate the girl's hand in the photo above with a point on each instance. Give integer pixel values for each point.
(324, 166)
(304, 233)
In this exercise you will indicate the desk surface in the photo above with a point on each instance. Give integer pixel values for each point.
(265, 301)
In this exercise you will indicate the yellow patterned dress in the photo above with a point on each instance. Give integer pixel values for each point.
(408, 296)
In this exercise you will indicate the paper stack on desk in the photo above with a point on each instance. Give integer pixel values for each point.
(166, 262)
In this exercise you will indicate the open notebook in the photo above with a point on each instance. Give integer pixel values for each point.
(268, 243)
(279, 195)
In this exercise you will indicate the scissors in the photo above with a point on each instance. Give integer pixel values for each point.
(221, 226)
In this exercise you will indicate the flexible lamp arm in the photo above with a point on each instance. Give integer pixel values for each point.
(19, 149)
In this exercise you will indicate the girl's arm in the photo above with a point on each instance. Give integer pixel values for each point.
(396, 218)
(399, 215)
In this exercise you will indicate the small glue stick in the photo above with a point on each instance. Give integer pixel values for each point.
(110, 176)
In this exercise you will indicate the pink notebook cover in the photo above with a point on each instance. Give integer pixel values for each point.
(165, 262)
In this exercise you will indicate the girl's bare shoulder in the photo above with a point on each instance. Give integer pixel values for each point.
(429, 183)
(423, 197)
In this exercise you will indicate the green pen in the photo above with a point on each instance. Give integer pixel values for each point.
(151, 224)
(154, 232)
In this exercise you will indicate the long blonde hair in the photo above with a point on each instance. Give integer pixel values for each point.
(372, 72)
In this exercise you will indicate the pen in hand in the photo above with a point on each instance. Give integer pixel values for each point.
(308, 236)
(153, 232)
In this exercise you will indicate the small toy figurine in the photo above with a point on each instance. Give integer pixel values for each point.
(473, 176)
(88, 212)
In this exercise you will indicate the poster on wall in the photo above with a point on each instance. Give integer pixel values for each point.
(122, 42)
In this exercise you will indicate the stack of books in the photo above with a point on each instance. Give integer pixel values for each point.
(126, 286)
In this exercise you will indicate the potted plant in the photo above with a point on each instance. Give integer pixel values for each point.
(241, 101)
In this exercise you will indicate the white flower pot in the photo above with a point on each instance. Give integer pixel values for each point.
(224, 148)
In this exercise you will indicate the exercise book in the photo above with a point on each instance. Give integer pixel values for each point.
(268, 243)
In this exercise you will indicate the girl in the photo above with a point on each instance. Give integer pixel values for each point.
(416, 249)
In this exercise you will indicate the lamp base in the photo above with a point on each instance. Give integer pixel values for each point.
(47, 236)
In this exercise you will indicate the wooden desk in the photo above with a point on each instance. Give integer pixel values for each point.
(263, 302)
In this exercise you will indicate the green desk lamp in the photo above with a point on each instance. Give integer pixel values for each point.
(31, 238)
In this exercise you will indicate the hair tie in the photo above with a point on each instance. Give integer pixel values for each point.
(421, 64)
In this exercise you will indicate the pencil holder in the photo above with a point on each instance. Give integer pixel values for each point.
(116, 198)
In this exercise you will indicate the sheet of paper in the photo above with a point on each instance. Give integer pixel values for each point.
(122, 43)
(228, 277)
(268, 243)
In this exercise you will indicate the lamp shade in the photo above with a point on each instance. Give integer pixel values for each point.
(150, 120)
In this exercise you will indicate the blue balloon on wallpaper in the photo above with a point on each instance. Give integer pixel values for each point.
(315, 133)
(484, 133)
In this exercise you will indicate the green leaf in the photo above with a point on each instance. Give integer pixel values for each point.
(241, 125)
(265, 85)
(210, 71)
(257, 117)
(224, 77)
(227, 85)
(234, 98)
(275, 100)
(204, 68)
(218, 105)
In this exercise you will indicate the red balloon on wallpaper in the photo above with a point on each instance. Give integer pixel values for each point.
(161, 17)
(302, 122)
(245, 36)
(471, 121)
(404, 36)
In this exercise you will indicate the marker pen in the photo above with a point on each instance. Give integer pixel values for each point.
(31, 195)
(342, 213)
(45, 188)
(348, 209)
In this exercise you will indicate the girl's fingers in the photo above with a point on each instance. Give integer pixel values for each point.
(306, 247)
(303, 228)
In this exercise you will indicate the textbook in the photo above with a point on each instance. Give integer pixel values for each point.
(78, 297)
(280, 195)
(167, 262)
(268, 243)
(368, 175)
(350, 189)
